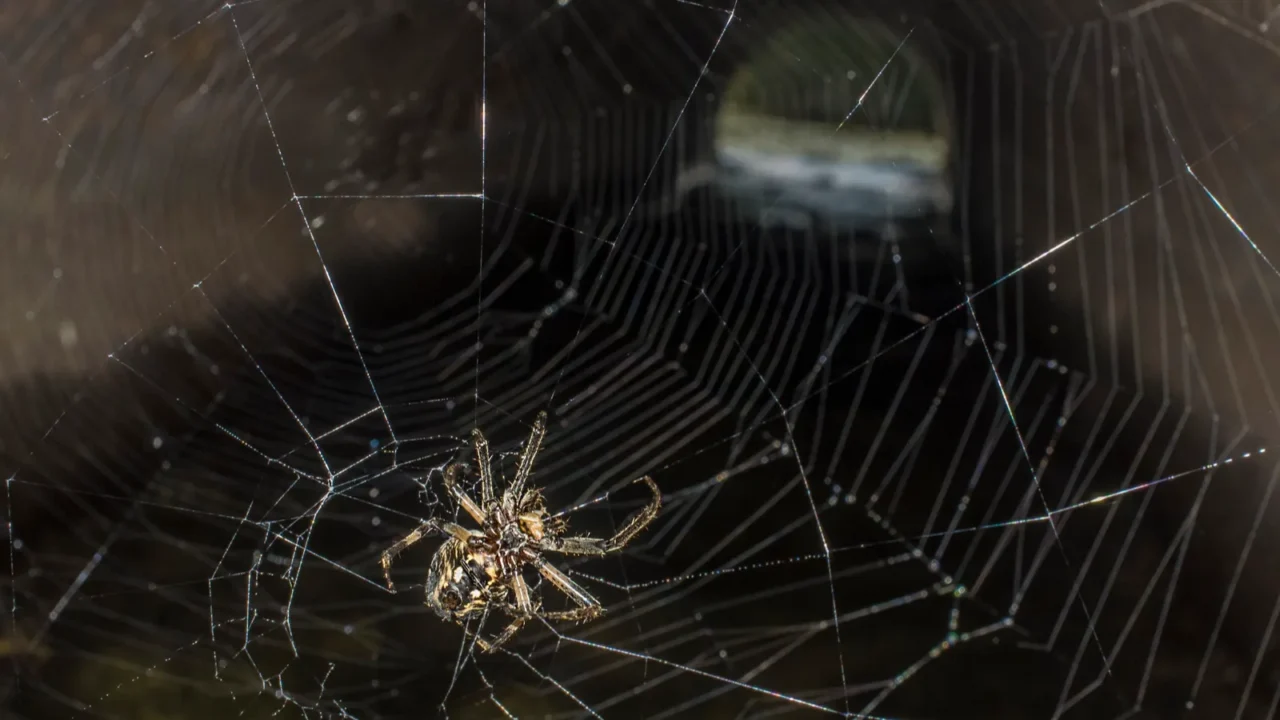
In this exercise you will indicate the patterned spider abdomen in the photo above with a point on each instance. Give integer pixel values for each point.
(457, 580)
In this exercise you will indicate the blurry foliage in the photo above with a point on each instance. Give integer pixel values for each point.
(22, 646)
(816, 141)
(135, 685)
(817, 67)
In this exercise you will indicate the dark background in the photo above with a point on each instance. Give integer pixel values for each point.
(146, 212)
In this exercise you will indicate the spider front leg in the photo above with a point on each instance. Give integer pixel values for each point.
(426, 528)
(631, 528)
(460, 496)
(524, 467)
(484, 463)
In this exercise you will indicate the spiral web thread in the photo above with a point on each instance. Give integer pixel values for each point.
(793, 411)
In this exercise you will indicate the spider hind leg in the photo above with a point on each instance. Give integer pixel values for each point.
(489, 646)
(520, 613)
(588, 606)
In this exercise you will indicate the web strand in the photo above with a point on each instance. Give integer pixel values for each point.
(241, 514)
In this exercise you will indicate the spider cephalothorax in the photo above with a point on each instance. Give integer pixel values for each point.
(477, 569)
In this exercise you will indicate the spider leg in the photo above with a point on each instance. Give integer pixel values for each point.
(523, 611)
(489, 646)
(486, 468)
(531, 446)
(426, 528)
(577, 614)
(524, 601)
(581, 614)
(588, 606)
(631, 528)
(460, 496)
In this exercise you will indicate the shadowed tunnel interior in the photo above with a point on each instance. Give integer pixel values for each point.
(946, 330)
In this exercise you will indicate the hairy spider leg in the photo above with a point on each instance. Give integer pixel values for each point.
(524, 467)
(459, 495)
(524, 600)
(632, 527)
(524, 611)
(426, 528)
(588, 606)
(486, 469)
(581, 614)
(592, 609)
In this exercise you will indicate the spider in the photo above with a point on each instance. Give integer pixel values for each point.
(474, 570)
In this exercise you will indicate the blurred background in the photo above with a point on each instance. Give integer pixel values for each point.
(948, 331)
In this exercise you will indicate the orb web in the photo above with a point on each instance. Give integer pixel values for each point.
(889, 491)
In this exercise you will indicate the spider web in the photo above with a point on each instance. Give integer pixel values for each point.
(1013, 465)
